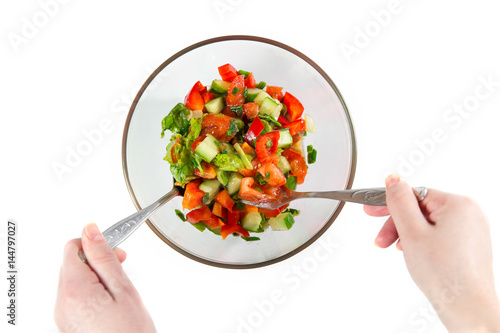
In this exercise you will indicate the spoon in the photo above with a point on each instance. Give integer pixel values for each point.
(367, 196)
(119, 231)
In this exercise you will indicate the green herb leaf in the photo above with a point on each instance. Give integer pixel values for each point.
(251, 238)
(311, 154)
(206, 197)
(233, 128)
(245, 92)
(228, 162)
(268, 175)
(180, 215)
(268, 118)
(238, 110)
(291, 182)
(235, 90)
(242, 72)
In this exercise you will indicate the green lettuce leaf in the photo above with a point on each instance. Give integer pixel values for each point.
(176, 121)
(228, 162)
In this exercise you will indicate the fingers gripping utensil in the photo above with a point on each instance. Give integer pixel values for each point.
(368, 196)
(119, 231)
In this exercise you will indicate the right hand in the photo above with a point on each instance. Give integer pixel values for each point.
(446, 244)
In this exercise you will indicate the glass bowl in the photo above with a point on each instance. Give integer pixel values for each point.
(148, 176)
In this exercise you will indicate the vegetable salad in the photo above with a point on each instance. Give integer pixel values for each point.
(237, 139)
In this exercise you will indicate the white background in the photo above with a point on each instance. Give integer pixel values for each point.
(85, 63)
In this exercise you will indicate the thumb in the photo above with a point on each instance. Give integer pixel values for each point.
(404, 208)
(103, 260)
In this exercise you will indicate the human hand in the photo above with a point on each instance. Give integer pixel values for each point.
(97, 297)
(446, 245)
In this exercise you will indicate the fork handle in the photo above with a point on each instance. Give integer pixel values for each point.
(368, 196)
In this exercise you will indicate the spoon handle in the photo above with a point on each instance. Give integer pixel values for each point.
(119, 231)
(368, 196)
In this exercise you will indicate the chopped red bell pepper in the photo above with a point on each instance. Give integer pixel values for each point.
(293, 106)
(254, 131)
(219, 211)
(296, 127)
(251, 110)
(297, 163)
(268, 213)
(205, 216)
(250, 81)
(227, 230)
(275, 92)
(225, 200)
(282, 120)
(227, 72)
(193, 100)
(235, 91)
(193, 196)
(272, 174)
(233, 217)
(207, 97)
(267, 147)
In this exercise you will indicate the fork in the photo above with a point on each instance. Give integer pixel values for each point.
(368, 196)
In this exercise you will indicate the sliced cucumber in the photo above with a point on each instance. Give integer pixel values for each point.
(251, 221)
(286, 139)
(215, 105)
(284, 165)
(261, 96)
(223, 176)
(267, 127)
(220, 86)
(243, 156)
(234, 183)
(271, 107)
(283, 221)
(207, 149)
(212, 187)
(252, 94)
(310, 127)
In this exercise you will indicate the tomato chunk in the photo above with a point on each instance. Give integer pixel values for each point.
(193, 196)
(294, 107)
(267, 147)
(250, 81)
(227, 230)
(297, 163)
(296, 127)
(193, 100)
(272, 174)
(251, 110)
(208, 171)
(275, 92)
(225, 200)
(217, 125)
(205, 216)
(248, 192)
(250, 172)
(268, 213)
(235, 91)
(227, 72)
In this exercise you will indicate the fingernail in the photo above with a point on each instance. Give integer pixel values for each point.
(391, 180)
(93, 232)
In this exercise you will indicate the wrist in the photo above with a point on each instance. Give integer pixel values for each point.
(480, 315)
